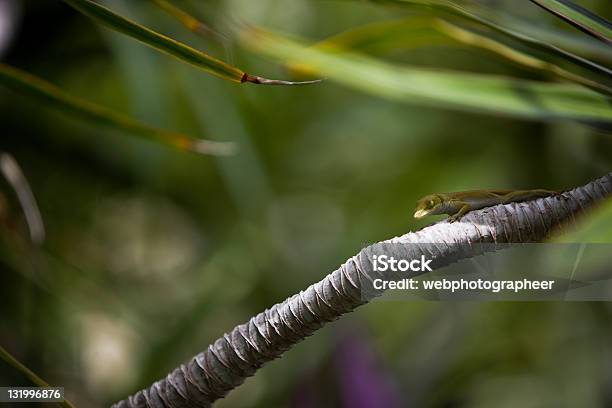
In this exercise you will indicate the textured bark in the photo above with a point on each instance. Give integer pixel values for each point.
(238, 354)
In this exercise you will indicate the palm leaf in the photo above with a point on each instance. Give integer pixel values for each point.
(579, 17)
(526, 56)
(483, 16)
(427, 31)
(189, 21)
(25, 83)
(29, 374)
(472, 92)
(171, 47)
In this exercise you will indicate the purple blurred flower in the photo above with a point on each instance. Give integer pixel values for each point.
(364, 383)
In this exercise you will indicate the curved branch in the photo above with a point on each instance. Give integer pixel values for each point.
(238, 354)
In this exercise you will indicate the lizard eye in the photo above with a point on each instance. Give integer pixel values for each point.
(430, 203)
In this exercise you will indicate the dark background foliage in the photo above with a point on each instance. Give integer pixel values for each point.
(153, 253)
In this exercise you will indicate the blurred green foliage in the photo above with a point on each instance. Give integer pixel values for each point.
(152, 253)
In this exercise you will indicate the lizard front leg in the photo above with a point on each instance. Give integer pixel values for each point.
(464, 209)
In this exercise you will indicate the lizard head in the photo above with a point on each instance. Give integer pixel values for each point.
(429, 205)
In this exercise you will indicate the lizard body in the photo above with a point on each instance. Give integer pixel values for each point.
(457, 204)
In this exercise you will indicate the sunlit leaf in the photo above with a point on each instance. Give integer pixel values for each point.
(425, 31)
(52, 96)
(579, 17)
(485, 93)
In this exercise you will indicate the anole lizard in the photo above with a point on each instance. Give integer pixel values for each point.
(456, 205)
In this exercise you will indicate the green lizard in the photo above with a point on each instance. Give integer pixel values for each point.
(456, 205)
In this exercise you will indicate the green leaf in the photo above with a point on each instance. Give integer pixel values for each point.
(189, 21)
(388, 36)
(472, 92)
(52, 96)
(579, 44)
(579, 17)
(529, 57)
(480, 14)
(594, 227)
(169, 46)
(156, 40)
(426, 31)
(29, 374)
